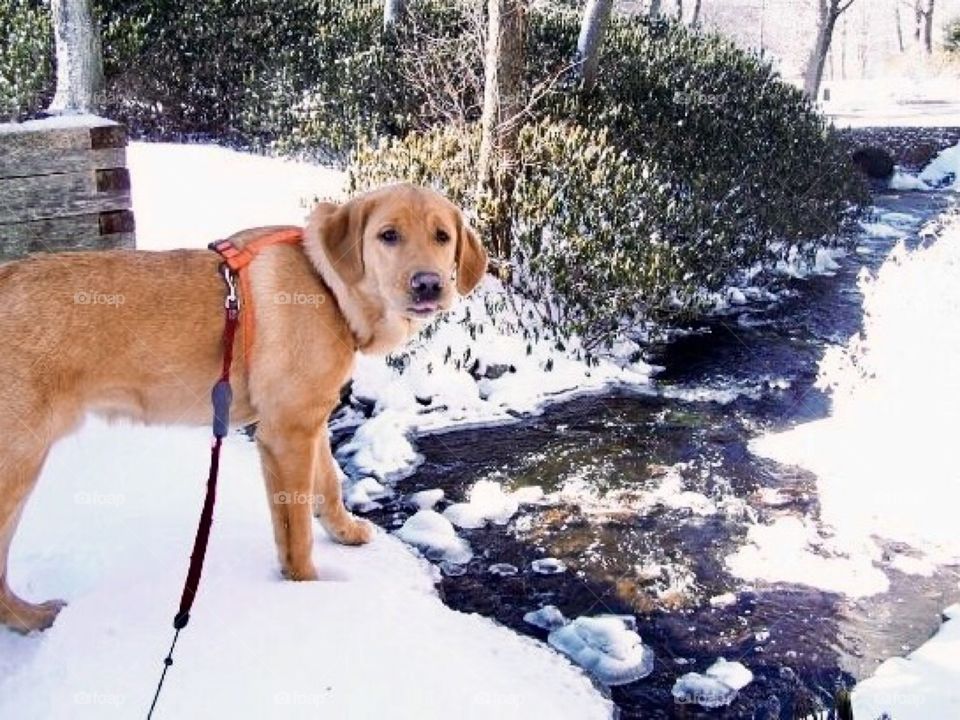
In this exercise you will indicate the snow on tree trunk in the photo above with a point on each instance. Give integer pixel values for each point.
(79, 61)
(393, 10)
(594, 23)
(503, 105)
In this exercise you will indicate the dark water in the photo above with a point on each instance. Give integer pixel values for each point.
(663, 564)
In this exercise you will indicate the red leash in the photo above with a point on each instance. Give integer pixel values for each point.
(221, 395)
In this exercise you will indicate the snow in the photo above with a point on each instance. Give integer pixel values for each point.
(907, 182)
(56, 122)
(606, 647)
(435, 535)
(380, 447)
(789, 549)
(111, 523)
(944, 168)
(920, 686)
(881, 471)
(110, 528)
(426, 499)
(487, 502)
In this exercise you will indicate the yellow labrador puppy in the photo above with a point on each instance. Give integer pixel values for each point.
(138, 335)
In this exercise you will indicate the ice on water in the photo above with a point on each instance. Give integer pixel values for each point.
(606, 648)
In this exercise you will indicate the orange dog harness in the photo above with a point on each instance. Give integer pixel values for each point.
(238, 257)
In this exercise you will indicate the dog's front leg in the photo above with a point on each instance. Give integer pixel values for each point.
(289, 458)
(328, 501)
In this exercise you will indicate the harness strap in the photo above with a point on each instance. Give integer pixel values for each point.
(238, 257)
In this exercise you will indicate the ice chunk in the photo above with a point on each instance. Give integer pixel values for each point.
(723, 600)
(606, 648)
(730, 673)
(503, 569)
(486, 502)
(548, 566)
(718, 686)
(426, 499)
(432, 532)
(694, 688)
(547, 618)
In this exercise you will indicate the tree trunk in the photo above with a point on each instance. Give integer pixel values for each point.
(928, 28)
(79, 60)
(917, 22)
(594, 23)
(829, 11)
(654, 11)
(500, 121)
(393, 10)
(695, 18)
(680, 10)
(899, 24)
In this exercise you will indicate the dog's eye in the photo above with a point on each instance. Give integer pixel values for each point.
(390, 237)
(443, 237)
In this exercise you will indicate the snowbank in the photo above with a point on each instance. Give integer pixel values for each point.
(885, 457)
(922, 685)
(945, 168)
(110, 527)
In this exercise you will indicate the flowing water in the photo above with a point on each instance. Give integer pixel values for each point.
(662, 562)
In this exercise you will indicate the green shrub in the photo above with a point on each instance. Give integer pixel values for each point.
(26, 68)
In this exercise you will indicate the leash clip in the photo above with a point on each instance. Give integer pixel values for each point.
(231, 302)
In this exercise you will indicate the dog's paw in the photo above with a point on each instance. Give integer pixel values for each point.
(350, 531)
(305, 573)
(23, 617)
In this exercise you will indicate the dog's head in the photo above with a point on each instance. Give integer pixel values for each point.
(399, 254)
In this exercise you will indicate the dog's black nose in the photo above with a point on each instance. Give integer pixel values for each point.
(426, 286)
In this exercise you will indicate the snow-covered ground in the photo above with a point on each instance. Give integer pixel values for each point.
(111, 524)
(888, 101)
(885, 459)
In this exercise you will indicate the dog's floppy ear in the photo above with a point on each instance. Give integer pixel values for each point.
(338, 229)
(471, 259)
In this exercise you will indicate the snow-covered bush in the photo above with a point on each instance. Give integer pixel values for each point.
(597, 234)
(26, 72)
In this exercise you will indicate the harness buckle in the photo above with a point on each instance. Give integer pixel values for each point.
(231, 303)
